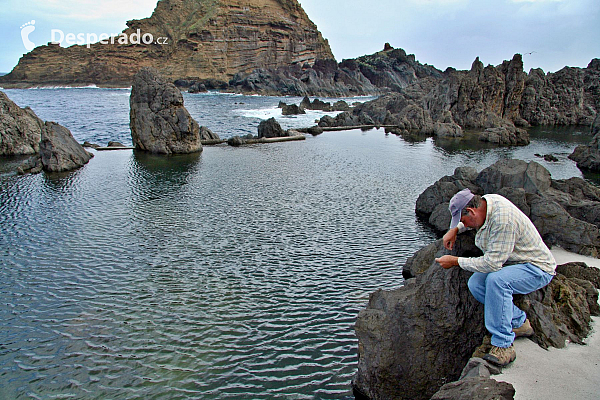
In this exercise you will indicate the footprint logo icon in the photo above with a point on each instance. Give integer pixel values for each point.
(26, 29)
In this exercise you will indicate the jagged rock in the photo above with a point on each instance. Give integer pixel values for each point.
(207, 134)
(580, 270)
(204, 39)
(90, 145)
(59, 151)
(571, 221)
(115, 144)
(531, 176)
(409, 345)
(270, 128)
(236, 141)
(33, 165)
(159, 121)
(443, 129)
(566, 97)
(559, 313)
(478, 367)
(414, 339)
(371, 74)
(315, 130)
(292, 109)
(20, 129)
(341, 105)
(557, 226)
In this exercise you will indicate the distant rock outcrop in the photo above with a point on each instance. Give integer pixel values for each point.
(270, 128)
(20, 129)
(158, 120)
(415, 339)
(498, 101)
(191, 39)
(382, 72)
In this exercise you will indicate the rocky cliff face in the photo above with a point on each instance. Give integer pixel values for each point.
(204, 39)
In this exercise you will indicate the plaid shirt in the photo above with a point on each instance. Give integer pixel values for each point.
(507, 237)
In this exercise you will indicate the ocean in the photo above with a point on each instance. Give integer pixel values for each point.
(235, 273)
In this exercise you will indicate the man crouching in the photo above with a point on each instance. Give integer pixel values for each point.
(515, 260)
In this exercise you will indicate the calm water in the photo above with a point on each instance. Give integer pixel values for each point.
(237, 273)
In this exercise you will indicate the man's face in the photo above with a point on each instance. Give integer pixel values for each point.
(473, 218)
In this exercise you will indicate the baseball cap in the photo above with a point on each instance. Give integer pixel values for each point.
(457, 203)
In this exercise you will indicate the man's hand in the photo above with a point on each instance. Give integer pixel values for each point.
(450, 238)
(447, 261)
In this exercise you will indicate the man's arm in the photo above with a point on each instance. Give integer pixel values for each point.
(450, 238)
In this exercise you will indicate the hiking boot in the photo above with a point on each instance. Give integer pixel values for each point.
(501, 356)
(524, 330)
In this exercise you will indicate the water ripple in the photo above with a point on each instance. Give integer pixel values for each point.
(237, 273)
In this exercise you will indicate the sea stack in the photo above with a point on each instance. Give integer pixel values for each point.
(158, 120)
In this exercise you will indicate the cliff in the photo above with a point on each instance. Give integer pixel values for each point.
(204, 39)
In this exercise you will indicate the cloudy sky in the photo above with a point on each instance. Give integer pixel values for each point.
(549, 33)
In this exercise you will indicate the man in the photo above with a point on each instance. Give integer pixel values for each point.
(515, 260)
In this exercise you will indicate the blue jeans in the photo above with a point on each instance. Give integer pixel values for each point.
(495, 291)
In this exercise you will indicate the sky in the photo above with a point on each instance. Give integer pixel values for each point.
(550, 34)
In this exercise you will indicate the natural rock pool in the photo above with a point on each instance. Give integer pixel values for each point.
(234, 273)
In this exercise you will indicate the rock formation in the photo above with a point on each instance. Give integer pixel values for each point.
(158, 120)
(389, 70)
(53, 146)
(498, 101)
(565, 212)
(192, 39)
(588, 157)
(415, 339)
(270, 128)
(20, 129)
(59, 151)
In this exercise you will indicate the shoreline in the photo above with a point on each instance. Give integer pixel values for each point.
(570, 373)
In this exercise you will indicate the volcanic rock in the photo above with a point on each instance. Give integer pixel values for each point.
(20, 129)
(270, 128)
(59, 151)
(415, 339)
(588, 157)
(158, 120)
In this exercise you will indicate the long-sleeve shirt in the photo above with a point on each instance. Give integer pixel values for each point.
(507, 237)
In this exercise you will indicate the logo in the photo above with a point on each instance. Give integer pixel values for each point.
(26, 29)
(57, 36)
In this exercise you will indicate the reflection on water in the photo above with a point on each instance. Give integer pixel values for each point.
(231, 273)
